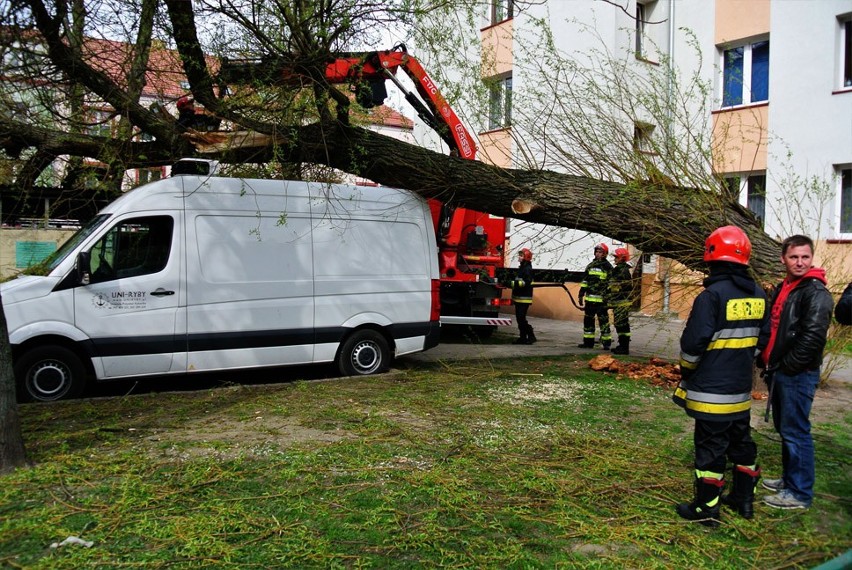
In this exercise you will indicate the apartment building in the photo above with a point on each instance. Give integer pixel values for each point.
(777, 112)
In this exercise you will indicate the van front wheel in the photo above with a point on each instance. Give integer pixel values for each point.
(49, 373)
(364, 352)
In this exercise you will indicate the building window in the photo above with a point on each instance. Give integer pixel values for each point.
(642, 142)
(846, 51)
(745, 74)
(502, 10)
(756, 196)
(749, 190)
(146, 175)
(845, 217)
(500, 103)
(732, 186)
(640, 31)
(98, 123)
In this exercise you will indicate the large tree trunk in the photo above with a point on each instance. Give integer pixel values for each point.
(655, 218)
(12, 452)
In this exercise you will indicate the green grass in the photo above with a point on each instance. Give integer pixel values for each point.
(528, 463)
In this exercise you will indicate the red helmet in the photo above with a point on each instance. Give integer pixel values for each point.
(525, 254)
(184, 102)
(728, 243)
(621, 254)
(603, 247)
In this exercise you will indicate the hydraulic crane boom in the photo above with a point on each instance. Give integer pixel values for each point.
(377, 66)
(367, 72)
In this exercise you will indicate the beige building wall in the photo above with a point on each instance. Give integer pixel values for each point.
(497, 49)
(740, 139)
(740, 19)
(496, 148)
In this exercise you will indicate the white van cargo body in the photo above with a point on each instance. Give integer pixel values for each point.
(198, 273)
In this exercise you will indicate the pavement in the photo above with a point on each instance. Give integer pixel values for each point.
(650, 337)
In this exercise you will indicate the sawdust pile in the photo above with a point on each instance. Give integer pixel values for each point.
(656, 371)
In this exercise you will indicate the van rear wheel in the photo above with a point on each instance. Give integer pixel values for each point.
(364, 352)
(49, 373)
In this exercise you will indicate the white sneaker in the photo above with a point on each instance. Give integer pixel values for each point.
(773, 484)
(785, 500)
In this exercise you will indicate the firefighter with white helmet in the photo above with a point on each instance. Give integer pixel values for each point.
(725, 330)
(621, 299)
(594, 289)
(522, 296)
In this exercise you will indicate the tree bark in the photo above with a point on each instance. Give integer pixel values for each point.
(655, 218)
(12, 452)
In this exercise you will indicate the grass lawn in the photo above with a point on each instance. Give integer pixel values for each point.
(523, 463)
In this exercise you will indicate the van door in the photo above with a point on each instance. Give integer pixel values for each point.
(130, 308)
(250, 297)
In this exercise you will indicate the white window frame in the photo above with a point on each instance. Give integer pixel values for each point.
(844, 52)
(501, 10)
(838, 203)
(500, 103)
(743, 186)
(643, 138)
(641, 38)
(747, 68)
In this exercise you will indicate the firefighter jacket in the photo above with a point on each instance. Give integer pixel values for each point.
(621, 285)
(718, 345)
(595, 284)
(522, 284)
(803, 325)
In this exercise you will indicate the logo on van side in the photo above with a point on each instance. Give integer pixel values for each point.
(120, 300)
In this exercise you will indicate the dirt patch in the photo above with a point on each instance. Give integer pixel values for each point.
(832, 403)
(225, 436)
(228, 437)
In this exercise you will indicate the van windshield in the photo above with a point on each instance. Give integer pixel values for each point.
(48, 264)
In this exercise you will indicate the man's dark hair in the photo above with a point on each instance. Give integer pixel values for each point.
(796, 241)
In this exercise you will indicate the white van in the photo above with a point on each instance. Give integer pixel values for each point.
(197, 273)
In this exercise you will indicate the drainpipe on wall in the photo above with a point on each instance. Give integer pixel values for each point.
(667, 281)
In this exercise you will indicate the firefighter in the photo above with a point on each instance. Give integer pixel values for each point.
(718, 348)
(189, 119)
(522, 296)
(621, 299)
(594, 289)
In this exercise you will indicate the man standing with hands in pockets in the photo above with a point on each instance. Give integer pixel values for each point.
(799, 317)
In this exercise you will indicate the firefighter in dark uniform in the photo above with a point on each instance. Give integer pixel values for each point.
(718, 347)
(621, 299)
(595, 289)
(188, 118)
(522, 296)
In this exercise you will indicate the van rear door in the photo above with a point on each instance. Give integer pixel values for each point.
(130, 308)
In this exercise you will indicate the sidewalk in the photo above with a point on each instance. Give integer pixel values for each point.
(651, 336)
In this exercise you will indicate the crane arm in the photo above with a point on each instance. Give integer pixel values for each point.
(368, 71)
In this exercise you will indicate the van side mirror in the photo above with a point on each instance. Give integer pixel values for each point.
(83, 267)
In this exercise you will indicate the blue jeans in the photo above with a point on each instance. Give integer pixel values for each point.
(792, 397)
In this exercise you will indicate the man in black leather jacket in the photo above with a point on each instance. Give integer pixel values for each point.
(800, 314)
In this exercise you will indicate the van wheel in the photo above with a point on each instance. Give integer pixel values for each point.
(364, 352)
(49, 373)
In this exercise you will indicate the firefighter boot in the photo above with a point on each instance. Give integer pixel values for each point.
(522, 339)
(530, 335)
(741, 497)
(705, 506)
(587, 343)
(623, 346)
